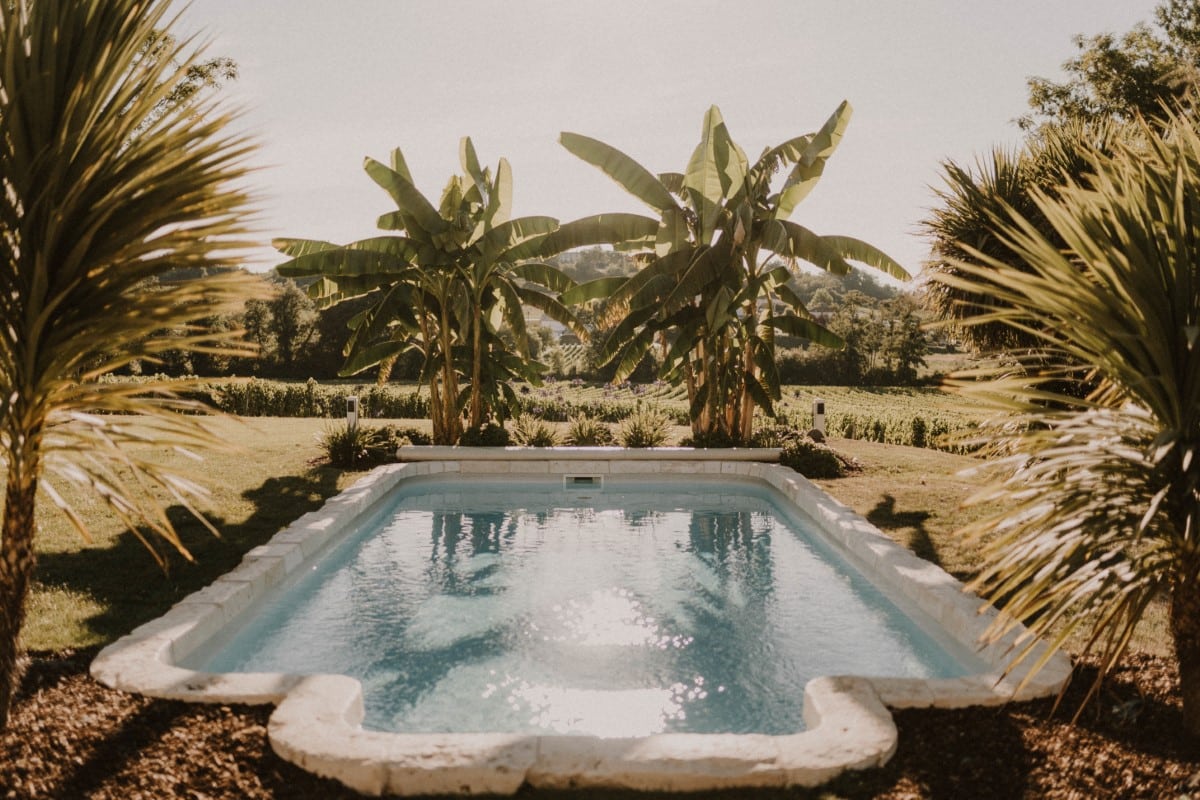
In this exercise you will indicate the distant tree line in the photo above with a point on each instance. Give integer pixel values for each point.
(296, 341)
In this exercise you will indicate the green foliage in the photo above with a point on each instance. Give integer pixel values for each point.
(708, 291)
(646, 427)
(810, 459)
(489, 434)
(408, 436)
(1100, 497)
(914, 418)
(261, 398)
(532, 432)
(1136, 75)
(360, 446)
(962, 226)
(771, 436)
(106, 190)
(445, 286)
(716, 439)
(883, 345)
(585, 431)
(559, 401)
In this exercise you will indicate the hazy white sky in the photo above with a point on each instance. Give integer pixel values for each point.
(324, 85)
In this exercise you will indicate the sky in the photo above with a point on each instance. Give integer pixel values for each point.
(323, 85)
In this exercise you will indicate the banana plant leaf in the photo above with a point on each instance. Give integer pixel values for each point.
(598, 289)
(370, 356)
(552, 308)
(860, 251)
(632, 176)
(811, 165)
(709, 173)
(498, 243)
(407, 197)
(792, 241)
(806, 329)
(544, 274)
(623, 231)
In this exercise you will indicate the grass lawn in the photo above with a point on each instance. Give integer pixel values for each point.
(91, 593)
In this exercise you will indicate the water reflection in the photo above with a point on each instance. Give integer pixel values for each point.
(621, 613)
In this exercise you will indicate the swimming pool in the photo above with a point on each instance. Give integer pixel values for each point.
(619, 608)
(718, 530)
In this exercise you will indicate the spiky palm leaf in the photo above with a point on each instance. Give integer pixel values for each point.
(106, 187)
(1102, 496)
(973, 196)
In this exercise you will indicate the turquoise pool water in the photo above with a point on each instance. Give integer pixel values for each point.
(626, 610)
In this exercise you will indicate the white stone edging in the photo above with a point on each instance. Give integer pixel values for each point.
(317, 720)
(445, 453)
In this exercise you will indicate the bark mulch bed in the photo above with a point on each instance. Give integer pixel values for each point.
(71, 738)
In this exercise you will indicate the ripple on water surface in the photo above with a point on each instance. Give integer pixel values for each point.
(635, 610)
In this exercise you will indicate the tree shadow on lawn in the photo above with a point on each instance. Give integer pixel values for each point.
(132, 588)
(885, 516)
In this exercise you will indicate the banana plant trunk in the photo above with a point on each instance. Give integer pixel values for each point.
(476, 371)
(16, 568)
(1185, 629)
(746, 418)
(452, 420)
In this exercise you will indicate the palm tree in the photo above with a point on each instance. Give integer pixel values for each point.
(973, 198)
(711, 288)
(1101, 495)
(105, 189)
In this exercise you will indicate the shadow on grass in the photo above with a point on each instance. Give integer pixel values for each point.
(886, 517)
(131, 587)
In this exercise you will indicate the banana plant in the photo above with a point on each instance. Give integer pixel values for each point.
(712, 292)
(447, 278)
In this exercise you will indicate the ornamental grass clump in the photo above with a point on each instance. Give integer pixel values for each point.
(646, 427)
(359, 446)
(532, 432)
(1099, 489)
(585, 431)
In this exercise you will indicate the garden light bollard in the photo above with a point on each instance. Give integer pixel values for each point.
(352, 411)
(819, 414)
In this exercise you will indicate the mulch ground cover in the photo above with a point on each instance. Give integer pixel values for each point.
(69, 737)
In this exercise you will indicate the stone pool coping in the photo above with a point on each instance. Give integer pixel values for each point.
(317, 720)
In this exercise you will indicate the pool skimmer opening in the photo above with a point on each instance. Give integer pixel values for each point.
(583, 481)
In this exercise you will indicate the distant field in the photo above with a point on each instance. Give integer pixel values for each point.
(920, 417)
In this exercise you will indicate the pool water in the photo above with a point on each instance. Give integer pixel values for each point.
(622, 610)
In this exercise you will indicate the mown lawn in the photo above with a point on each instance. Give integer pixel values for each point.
(89, 593)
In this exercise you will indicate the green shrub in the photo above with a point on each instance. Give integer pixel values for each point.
(532, 432)
(359, 447)
(489, 434)
(812, 460)
(714, 440)
(586, 431)
(772, 436)
(920, 431)
(409, 436)
(646, 427)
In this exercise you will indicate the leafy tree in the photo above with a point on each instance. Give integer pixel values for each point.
(104, 190)
(904, 345)
(446, 286)
(1138, 74)
(1101, 498)
(293, 325)
(709, 290)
